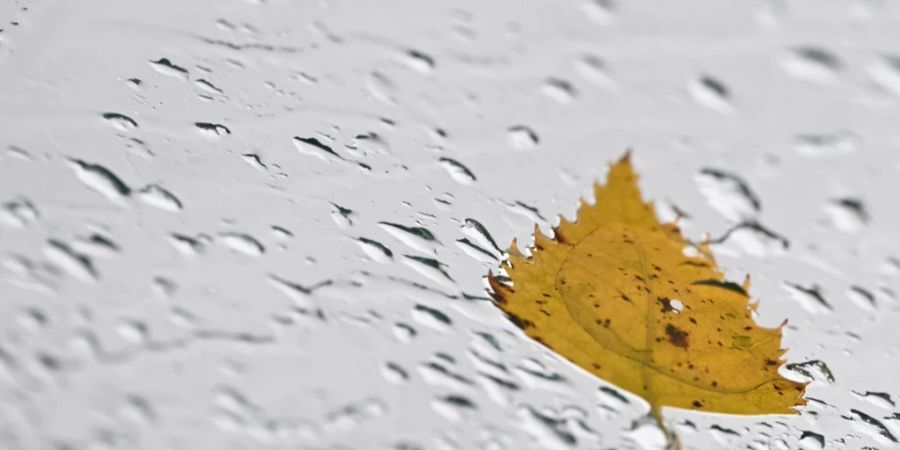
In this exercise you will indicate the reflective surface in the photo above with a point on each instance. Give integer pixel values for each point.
(266, 224)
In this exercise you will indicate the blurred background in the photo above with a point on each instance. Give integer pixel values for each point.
(266, 224)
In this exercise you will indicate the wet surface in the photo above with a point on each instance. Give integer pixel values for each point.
(263, 224)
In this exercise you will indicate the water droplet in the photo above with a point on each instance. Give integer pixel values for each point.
(95, 245)
(314, 147)
(813, 370)
(298, 293)
(872, 427)
(826, 145)
(77, 265)
(255, 161)
(394, 373)
(560, 90)
(550, 432)
(375, 250)
(101, 179)
(404, 332)
(187, 245)
(879, 399)
(430, 268)
(811, 64)
(207, 86)
(476, 252)
(133, 331)
(243, 243)
(521, 137)
(810, 298)
(755, 239)
(120, 121)
(343, 217)
(381, 87)
(418, 61)
(712, 93)
(599, 11)
(431, 318)
(166, 67)
(155, 195)
(417, 238)
(453, 407)
(885, 72)
(213, 130)
(592, 68)
(458, 171)
(812, 440)
(728, 193)
(847, 214)
(18, 213)
(862, 298)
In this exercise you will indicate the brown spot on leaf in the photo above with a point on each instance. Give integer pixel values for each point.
(677, 336)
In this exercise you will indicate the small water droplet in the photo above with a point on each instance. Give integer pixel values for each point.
(712, 93)
(213, 130)
(811, 64)
(826, 145)
(155, 195)
(601, 12)
(847, 214)
(810, 298)
(187, 245)
(77, 265)
(431, 318)
(18, 213)
(120, 121)
(885, 72)
(242, 243)
(813, 370)
(521, 137)
(417, 238)
(167, 67)
(728, 194)
(313, 147)
(343, 217)
(418, 61)
(101, 179)
(375, 250)
(560, 90)
(592, 68)
(458, 171)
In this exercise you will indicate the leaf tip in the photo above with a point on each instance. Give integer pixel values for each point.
(499, 291)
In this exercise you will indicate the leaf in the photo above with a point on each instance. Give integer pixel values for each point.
(616, 293)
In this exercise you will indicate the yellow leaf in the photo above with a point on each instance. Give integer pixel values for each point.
(616, 293)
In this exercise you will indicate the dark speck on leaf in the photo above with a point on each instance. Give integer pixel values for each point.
(677, 336)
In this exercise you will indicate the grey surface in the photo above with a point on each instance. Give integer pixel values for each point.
(168, 285)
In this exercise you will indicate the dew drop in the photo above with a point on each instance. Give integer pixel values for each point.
(885, 72)
(18, 213)
(812, 64)
(120, 121)
(460, 173)
(167, 67)
(75, 264)
(156, 196)
(242, 243)
(101, 179)
(213, 130)
(313, 147)
(375, 250)
(712, 94)
(521, 137)
(559, 90)
(728, 193)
